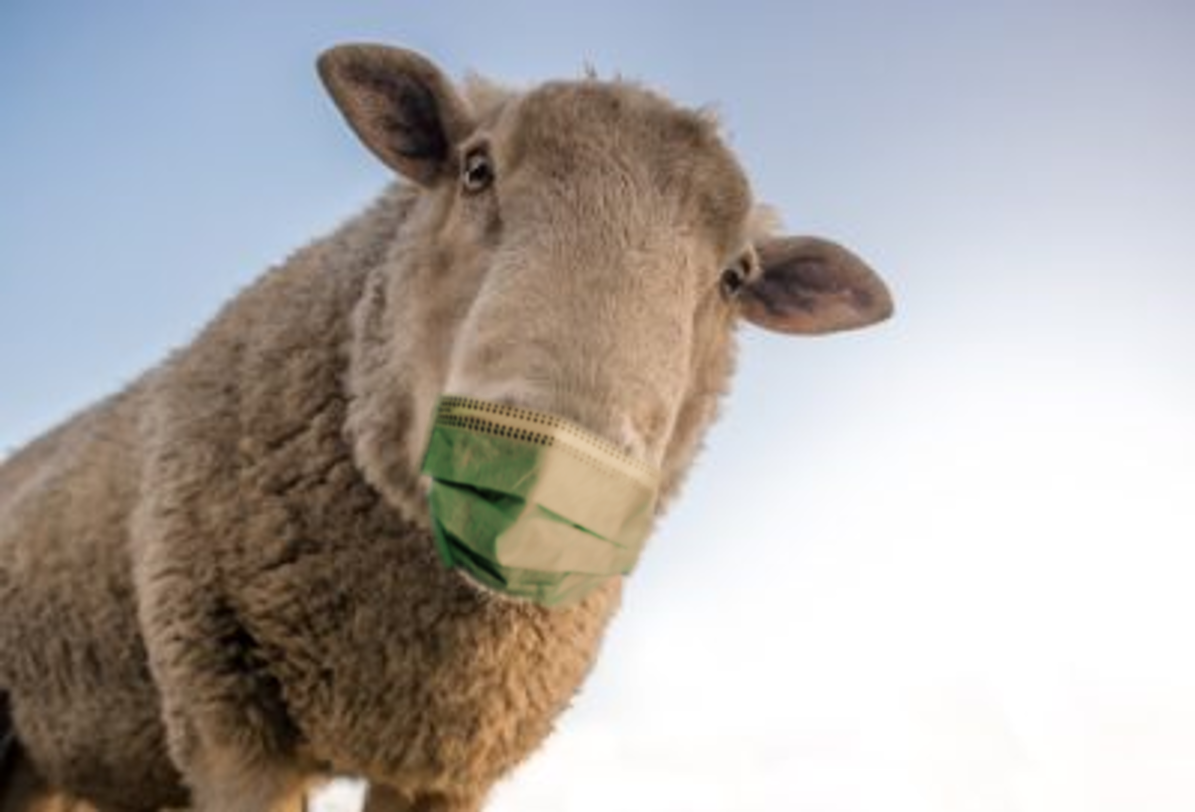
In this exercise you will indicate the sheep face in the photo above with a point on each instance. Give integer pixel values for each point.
(606, 223)
(584, 248)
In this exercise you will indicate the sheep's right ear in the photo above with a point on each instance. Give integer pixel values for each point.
(808, 285)
(400, 105)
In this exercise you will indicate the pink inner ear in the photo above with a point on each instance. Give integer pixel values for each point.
(810, 286)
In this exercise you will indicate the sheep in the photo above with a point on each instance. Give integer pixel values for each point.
(218, 585)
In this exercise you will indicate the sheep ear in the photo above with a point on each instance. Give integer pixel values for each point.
(400, 105)
(808, 285)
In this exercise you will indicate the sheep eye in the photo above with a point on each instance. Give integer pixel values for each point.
(733, 279)
(477, 171)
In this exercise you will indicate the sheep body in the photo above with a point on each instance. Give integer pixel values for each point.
(219, 497)
(220, 584)
(73, 661)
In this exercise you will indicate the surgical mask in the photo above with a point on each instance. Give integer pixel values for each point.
(532, 505)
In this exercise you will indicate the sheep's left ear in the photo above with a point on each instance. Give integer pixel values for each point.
(808, 285)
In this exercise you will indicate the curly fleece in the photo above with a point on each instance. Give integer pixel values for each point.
(222, 578)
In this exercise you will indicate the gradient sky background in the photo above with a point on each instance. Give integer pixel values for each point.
(946, 564)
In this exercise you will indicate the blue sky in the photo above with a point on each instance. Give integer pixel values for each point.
(942, 564)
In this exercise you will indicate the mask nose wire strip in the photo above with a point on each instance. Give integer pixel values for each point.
(560, 431)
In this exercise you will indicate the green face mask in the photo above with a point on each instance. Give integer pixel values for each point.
(532, 505)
